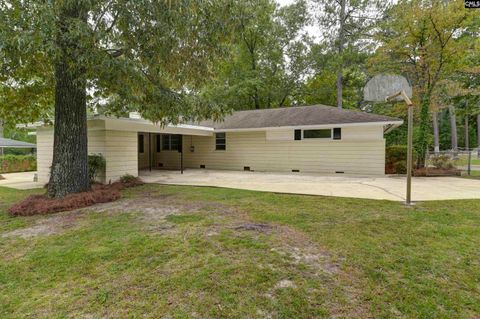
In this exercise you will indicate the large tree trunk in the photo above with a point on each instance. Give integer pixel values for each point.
(436, 134)
(341, 40)
(69, 171)
(453, 128)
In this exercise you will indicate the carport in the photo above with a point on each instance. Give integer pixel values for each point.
(9, 143)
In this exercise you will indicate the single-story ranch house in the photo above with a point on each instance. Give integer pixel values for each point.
(317, 138)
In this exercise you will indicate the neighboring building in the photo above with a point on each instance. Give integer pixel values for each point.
(9, 143)
(317, 139)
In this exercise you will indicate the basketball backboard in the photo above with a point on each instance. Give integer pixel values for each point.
(383, 85)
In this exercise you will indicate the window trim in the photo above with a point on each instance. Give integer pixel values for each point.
(299, 134)
(224, 144)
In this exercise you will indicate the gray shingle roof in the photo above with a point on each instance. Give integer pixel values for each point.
(295, 116)
(6, 142)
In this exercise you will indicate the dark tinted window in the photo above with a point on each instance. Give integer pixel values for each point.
(141, 144)
(220, 141)
(174, 142)
(317, 133)
(298, 135)
(158, 140)
(165, 142)
(337, 133)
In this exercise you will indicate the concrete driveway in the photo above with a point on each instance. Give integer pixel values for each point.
(382, 187)
(23, 180)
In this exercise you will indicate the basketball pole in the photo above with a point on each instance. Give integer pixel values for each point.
(409, 142)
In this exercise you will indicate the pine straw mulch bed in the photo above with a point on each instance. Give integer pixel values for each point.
(42, 204)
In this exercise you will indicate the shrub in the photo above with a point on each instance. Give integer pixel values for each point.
(96, 166)
(396, 159)
(130, 180)
(442, 161)
(17, 163)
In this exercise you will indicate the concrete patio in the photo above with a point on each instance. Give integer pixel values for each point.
(370, 187)
(23, 180)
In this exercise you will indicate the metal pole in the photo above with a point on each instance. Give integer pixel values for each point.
(181, 155)
(409, 155)
(150, 151)
(469, 169)
(409, 142)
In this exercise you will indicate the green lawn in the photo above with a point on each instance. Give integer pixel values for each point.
(198, 252)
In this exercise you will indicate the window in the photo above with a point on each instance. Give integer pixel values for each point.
(171, 142)
(298, 135)
(337, 133)
(220, 141)
(141, 144)
(175, 142)
(165, 142)
(317, 133)
(158, 142)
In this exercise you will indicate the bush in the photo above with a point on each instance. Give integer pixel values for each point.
(396, 159)
(17, 163)
(96, 166)
(130, 180)
(442, 161)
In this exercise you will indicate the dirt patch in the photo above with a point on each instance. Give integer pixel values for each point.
(47, 226)
(285, 283)
(42, 204)
(263, 228)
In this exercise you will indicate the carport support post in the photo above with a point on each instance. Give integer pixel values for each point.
(409, 152)
(409, 142)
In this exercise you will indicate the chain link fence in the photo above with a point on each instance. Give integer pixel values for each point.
(462, 162)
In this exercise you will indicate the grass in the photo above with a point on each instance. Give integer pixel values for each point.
(199, 252)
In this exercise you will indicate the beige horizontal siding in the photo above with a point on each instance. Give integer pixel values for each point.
(119, 149)
(352, 154)
(121, 154)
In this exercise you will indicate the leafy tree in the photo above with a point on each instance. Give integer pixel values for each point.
(269, 56)
(419, 38)
(345, 26)
(150, 56)
(322, 87)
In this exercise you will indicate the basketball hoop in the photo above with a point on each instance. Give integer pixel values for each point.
(388, 87)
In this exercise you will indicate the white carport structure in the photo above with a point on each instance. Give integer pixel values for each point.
(118, 140)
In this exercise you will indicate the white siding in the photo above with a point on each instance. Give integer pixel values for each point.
(280, 135)
(44, 153)
(361, 151)
(119, 149)
(120, 154)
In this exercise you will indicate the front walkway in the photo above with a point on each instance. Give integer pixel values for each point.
(23, 180)
(381, 187)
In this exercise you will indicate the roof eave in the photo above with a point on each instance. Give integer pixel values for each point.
(395, 123)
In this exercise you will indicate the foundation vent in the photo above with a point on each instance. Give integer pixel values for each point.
(339, 172)
(295, 171)
(160, 164)
(246, 168)
(202, 166)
